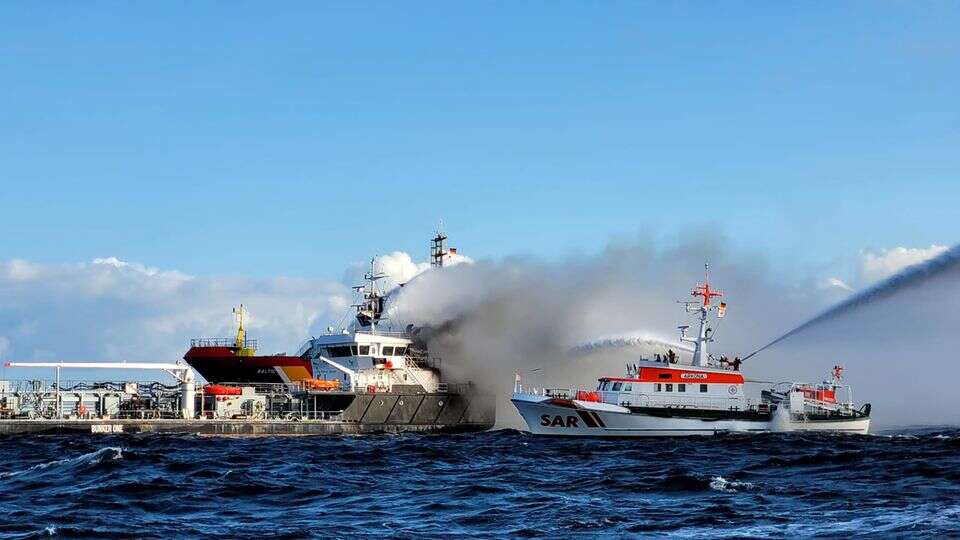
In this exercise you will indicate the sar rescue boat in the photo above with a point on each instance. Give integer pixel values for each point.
(664, 397)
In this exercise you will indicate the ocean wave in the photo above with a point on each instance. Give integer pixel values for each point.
(112, 453)
(500, 484)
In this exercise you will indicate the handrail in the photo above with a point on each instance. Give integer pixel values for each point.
(223, 342)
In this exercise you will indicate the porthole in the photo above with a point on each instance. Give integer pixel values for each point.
(400, 403)
(440, 403)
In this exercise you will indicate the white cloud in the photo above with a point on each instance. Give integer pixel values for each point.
(112, 309)
(134, 267)
(19, 270)
(399, 267)
(875, 266)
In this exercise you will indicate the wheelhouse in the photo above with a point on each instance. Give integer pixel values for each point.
(656, 385)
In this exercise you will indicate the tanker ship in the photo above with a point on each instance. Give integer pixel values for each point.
(359, 379)
(663, 396)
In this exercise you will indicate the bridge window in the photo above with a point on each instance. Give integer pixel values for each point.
(400, 351)
(669, 387)
(703, 388)
(339, 352)
(659, 387)
(364, 350)
(387, 351)
(616, 386)
(628, 388)
(681, 388)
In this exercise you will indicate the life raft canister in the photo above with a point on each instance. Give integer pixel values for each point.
(583, 395)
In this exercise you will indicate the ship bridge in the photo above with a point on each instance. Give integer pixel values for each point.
(371, 361)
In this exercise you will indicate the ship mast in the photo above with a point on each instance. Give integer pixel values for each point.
(703, 309)
(370, 308)
(438, 248)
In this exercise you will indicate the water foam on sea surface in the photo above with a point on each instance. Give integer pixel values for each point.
(503, 484)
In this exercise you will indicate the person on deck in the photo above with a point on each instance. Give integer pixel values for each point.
(736, 363)
(672, 356)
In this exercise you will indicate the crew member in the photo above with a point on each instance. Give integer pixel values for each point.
(672, 356)
(736, 363)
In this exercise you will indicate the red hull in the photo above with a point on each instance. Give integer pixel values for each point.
(223, 365)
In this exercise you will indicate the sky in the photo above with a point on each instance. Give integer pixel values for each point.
(247, 138)
(171, 160)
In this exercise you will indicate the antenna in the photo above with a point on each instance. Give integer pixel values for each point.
(704, 290)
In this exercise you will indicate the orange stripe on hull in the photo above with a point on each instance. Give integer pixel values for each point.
(294, 373)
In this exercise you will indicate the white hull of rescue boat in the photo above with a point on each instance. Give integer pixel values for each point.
(591, 419)
(859, 426)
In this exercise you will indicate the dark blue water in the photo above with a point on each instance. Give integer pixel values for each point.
(498, 484)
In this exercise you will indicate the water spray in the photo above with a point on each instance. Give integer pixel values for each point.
(626, 340)
(911, 276)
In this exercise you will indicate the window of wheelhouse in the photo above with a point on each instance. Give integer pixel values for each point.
(703, 388)
(681, 387)
(364, 350)
(669, 387)
(400, 351)
(659, 387)
(628, 387)
(339, 352)
(387, 350)
(617, 386)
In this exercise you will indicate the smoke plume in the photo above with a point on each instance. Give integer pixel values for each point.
(548, 321)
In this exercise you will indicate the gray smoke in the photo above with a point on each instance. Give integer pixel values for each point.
(495, 317)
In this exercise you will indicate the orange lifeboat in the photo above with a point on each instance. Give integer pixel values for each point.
(320, 384)
(221, 390)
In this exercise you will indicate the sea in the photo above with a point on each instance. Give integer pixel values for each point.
(499, 484)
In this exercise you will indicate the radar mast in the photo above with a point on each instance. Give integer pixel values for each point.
(703, 309)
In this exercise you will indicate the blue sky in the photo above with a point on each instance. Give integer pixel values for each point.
(265, 139)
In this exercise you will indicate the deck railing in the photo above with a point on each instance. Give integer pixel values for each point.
(222, 342)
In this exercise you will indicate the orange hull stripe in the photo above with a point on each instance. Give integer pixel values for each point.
(690, 377)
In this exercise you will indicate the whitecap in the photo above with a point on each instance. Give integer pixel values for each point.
(720, 483)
